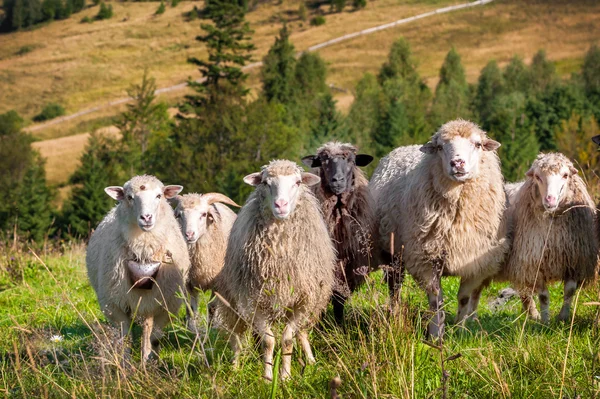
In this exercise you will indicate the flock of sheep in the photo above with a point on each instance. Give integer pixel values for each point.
(303, 239)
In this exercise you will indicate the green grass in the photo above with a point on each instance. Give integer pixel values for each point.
(502, 355)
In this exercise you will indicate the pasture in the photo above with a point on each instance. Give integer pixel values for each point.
(55, 343)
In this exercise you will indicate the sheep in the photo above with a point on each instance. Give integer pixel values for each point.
(280, 261)
(349, 213)
(205, 223)
(137, 260)
(554, 234)
(511, 190)
(444, 204)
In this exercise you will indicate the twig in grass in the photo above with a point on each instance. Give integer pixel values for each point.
(334, 384)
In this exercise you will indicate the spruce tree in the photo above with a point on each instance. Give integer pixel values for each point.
(452, 92)
(516, 76)
(326, 126)
(278, 69)
(542, 73)
(392, 130)
(228, 43)
(590, 73)
(310, 73)
(400, 63)
(489, 87)
(34, 208)
(367, 109)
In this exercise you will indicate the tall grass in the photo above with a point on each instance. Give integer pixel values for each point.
(54, 342)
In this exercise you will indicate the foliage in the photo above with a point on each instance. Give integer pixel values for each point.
(359, 4)
(20, 14)
(573, 139)
(451, 93)
(105, 12)
(317, 20)
(277, 73)
(161, 9)
(302, 12)
(338, 5)
(50, 111)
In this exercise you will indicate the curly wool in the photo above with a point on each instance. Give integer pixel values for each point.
(552, 247)
(276, 265)
(350, 221)
(434, 218)
(115, 242)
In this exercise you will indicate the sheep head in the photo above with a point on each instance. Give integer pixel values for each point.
(282, 180)
(337, 162)
(596, 139)
(551, 174)
(195, 213)
(142, 196)
(460, 145)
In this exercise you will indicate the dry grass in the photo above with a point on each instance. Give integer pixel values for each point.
(81, 65)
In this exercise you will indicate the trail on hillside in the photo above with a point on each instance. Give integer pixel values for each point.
(253, 65)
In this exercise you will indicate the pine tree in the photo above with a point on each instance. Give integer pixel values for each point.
(278, 69)
(88, 202)
(326, 126)
(365, 113)
(311, 72)
(573, 140)
(452, 92)
(228, 43)
(590, 73)
(400, 63)
(542, 73)
(393, 130)
(516, 76)
(34, 208)
(489, 87)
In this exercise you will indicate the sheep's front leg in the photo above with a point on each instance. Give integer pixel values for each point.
(475, 296)
(287, 349)
(268, 339)
(122, 321)
(544, 296)
(191, 311)
(147, 327)
(569, 292)
(529, 306)
(435, 297)
(467, 287)
(303, 338)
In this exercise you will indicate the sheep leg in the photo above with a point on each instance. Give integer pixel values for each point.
(123, 322)
(303, 338)
(235, 344)
(569, 292)
(435, 329)
(475, 296)
(544, 304)
(467, 286)
(338, 301)
(192, 311)
(287, 349)
(147, 328)
(268, 339)
(529, 306)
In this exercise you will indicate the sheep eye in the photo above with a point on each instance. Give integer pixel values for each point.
(203, 215)
(130, 197)
(478, 145)
(538, 178)
(439, 148)
(298, 182)
(159, 196)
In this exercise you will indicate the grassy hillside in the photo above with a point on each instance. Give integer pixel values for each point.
(54, 342)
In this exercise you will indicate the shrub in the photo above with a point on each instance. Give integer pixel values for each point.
(86, 20)
(302, 14)
(338, 5)
(160, 9)
(318, 20)
(105, 11)
(359, 4)
(78, 5)
(193, 14)
(50, 111)
(28, 48)
(174, 3)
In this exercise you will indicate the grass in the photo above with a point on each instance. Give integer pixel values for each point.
(54, 342)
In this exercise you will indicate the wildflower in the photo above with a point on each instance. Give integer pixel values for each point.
(56, 338)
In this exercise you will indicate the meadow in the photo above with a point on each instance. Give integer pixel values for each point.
(55, 343)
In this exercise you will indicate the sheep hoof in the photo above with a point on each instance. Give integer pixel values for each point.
(563, 317)
(285, 376)
(310, 360)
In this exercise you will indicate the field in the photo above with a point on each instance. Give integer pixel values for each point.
(54, 342)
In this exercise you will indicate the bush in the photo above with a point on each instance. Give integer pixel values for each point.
(318, 20)
(160, 9)
(78, 5)
(302, 11)
(105, 11)
(359, 4)
(86, 20)
(174, 3)
(338, 5)
(193, 14)
(28, 48)
(50, 111)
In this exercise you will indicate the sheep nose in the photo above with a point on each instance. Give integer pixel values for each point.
(337, 179)
(550, 200)
(457, 163)
(280, 203)
(146, 218)
(190, 235)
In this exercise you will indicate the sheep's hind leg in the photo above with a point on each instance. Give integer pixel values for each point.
(475, 296)
(465, 292)
(147, 328)
(191, 311)
(305, 344)
(529, 305)
(287, 349)
(435, 328)
(569, 291)
(544, 304)
(268, 339)
(338, 300)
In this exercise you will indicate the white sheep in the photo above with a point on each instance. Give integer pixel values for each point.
(137, 259)
(553, 225)
(444, 204)
(280, 260)
(205, 223)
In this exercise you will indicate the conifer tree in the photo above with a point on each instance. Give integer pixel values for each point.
(590, 73)
(516, 76)
(367, 109)
(542, 73)
(452, 92)
(392, 131)
(327, 123)
(489, 87)
(278, 69)
(400, 63)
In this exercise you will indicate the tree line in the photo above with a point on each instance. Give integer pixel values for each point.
(221, 134)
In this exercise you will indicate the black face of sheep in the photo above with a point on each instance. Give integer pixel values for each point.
(596, 139)
(337, 170)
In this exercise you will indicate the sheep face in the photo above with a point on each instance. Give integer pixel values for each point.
(460, 145)
(596, 139)
(282, 189)
(551, 174)
(195, 213)
(142, 198)
(337, 162)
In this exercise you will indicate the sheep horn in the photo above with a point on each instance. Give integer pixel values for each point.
(218, 197)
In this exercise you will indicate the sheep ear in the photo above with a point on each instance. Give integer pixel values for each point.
(172, 191)
(429, 148)
(175, 200)
(312, 161)
(115, 192)
(573, 170)
(596, 139)
(529, 173)
(253, 179)
(490, 145)
(363, 159)
(309, 179)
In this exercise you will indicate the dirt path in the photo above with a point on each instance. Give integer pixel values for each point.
(41, 126)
